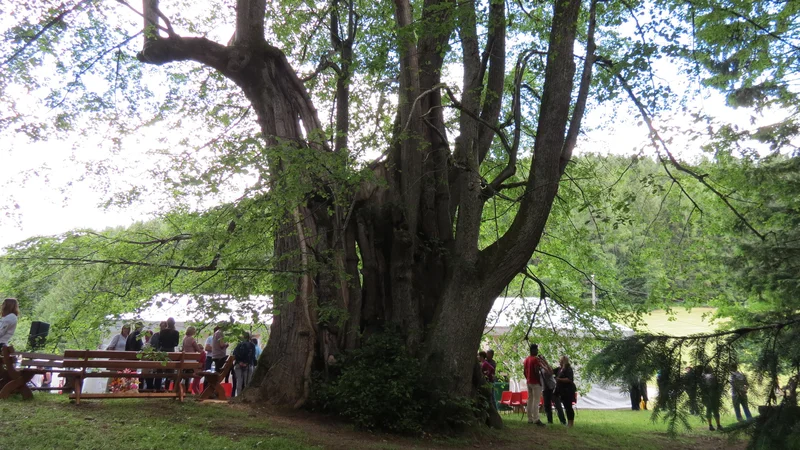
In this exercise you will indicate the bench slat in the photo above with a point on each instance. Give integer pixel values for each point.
(114, 354)
(129, 375)
(112, 364)
(127, 395)
(28, 363)
(44, 356)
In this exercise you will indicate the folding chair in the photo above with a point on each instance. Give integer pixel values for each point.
(505, 399)
(524, 402)
(516, 400)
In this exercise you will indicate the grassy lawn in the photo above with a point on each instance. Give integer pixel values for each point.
(681, 322)
(51, 422)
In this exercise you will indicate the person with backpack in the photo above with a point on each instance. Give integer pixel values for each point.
(739, 389)
(244, 359)
(548, 387)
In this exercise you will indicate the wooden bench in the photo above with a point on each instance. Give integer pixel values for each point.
(13, 379)
(213, 380)
(112, 364)
(30, 365)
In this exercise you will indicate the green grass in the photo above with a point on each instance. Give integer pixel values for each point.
(624, 429)
(681, 322)
(51, 422)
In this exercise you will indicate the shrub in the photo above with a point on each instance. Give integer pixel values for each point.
(380, 386)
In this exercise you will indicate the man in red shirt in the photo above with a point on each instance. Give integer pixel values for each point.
(531, 368)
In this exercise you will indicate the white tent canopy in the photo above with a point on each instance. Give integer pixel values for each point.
(508, 311)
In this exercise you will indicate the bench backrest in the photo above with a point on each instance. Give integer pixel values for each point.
(118, 360)
(40, 360)
(227, 367)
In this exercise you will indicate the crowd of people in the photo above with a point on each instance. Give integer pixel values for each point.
(166, 339)
(213, 354)
(703, 388)
(555, 387)
(547, 385)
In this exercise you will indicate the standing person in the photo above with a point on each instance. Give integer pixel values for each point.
(245, 355)
(636, 395)
(218, 349)
(531, 368)
(711, 397)
(190, 345)
(155, 343)
(119, 341)
(170, 337)
(565, 391)
(638, 391)
(488, 373)
(9, 314)
(208, 348)
(690, 383)
(739, 388)
(134, 344)
(167, 342)
(548, 387)
(490, 358)
(643, 392)
(486, 368)
(258, 349)
(134, 341)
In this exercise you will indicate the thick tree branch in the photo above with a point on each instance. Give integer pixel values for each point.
(250, 16)
(502, 259)
(511, 166)
(583, 90)
(495, 56)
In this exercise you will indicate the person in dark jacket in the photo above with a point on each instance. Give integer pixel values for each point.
(134, 344)
(167, 342)
(134, 341)
(154, 343)
(244, 359)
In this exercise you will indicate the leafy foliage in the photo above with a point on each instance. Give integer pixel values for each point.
(381, 386)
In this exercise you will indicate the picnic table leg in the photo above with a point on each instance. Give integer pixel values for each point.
(220, 391)
(26, 392)
(11, 387)
(178, 385)
(77, 385)
(207, 390)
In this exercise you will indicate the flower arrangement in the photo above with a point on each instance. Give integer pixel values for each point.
(124, 384)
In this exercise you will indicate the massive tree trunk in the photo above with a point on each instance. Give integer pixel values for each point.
(416, 235)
